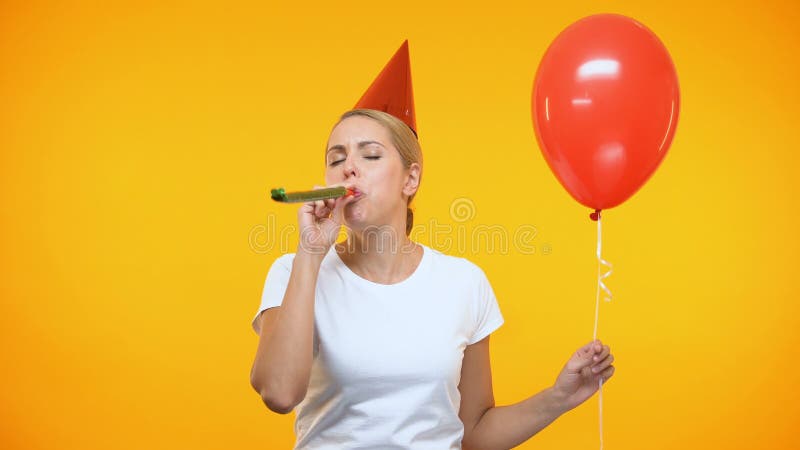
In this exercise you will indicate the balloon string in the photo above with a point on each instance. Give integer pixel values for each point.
(600, 285)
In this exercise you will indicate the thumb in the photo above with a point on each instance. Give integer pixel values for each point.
(339, 207)
(582, 358)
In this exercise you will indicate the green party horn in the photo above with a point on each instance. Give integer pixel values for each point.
(280, 195)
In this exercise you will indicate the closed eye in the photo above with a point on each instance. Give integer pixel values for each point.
(334, 163)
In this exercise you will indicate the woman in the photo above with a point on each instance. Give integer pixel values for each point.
(381, 342)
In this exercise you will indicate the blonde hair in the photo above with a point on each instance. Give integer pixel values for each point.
(405, 141)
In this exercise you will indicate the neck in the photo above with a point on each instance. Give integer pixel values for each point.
(382, 257)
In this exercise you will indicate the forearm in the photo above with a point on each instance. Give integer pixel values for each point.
(505, 427)
(285, 350)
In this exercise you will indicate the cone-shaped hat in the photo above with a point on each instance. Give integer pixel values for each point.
(391, 91)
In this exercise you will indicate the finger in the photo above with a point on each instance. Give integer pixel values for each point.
(603, 364)
(307, 207)
(582, 358)
(305, 213)
(331, 202)
(318, 205)
(321, 210)
(311, 207)
(594, 347)
(338, 209)
(608, 373)
(603, 354)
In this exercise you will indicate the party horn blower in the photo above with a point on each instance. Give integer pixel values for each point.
(280, 195)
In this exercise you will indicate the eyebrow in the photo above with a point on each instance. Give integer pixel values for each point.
(361, 144)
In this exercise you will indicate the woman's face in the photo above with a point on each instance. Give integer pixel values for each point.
(360, 154)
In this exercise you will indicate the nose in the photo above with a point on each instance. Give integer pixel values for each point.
(349, 166)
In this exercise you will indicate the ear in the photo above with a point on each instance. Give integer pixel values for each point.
(412, 180)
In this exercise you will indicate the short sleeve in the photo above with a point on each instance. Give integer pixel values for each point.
(274, 287)
(487, 312)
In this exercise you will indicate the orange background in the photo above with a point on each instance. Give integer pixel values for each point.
(139, 142)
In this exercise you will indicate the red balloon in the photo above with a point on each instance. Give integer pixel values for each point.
(605, 106)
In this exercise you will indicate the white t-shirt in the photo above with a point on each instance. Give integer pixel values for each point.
(387, 358)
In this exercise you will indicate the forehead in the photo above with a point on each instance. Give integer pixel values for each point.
(358, 128)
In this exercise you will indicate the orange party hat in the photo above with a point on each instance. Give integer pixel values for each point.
(391, 91)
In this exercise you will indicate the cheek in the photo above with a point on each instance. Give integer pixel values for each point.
(391, 186)
(331, 176)
(387, 177)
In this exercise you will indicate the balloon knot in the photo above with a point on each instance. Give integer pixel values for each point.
(595, 215)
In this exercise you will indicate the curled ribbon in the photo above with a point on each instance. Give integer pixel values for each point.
(600, 274)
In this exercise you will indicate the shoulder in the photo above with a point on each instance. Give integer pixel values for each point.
(455, 265)
(284, 261)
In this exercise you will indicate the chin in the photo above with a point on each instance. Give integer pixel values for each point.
(355, 217)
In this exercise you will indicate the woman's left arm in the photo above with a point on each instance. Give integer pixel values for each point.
(489, 427)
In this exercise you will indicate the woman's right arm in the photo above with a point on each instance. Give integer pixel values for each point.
(282, 367)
